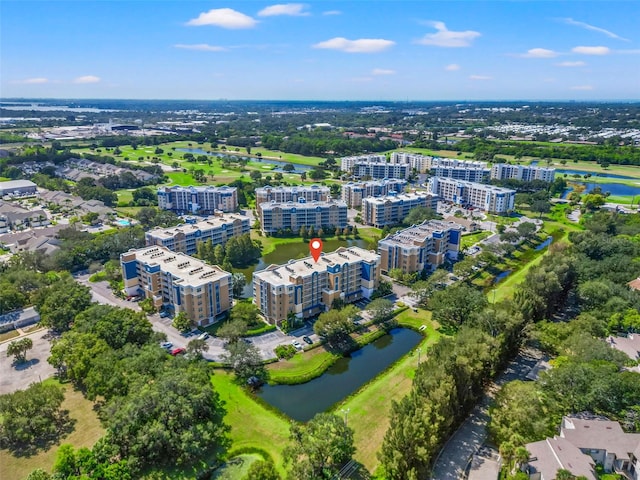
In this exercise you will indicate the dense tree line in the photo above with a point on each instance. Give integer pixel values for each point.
(320, 142)
(236, 252)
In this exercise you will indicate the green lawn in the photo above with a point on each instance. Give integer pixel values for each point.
(252, 424)
(302, 366)
(87, 430)
(473, 238)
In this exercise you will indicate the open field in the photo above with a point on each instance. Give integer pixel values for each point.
(252, 424)
(87, 430)
(472, 238)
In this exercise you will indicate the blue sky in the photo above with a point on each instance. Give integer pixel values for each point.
(324, 50)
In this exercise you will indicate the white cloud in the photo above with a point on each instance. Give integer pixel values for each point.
(584, 88)
(203, 47)
(480, 77)
(382, 71)
(571, 64)
(87, 79)
(363, 45)
(291, 9)
(225, 18)
(332, 12)
(35, 81)
(539, 53)
(452, 67)
(448, 38)
(591, 50)
(571, 21)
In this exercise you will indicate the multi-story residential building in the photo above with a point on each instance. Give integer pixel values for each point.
(526, 173)
(185, 238)
(354, 192)
(347, 163)
(309, 193)
(198, 200)
(306, 288)
(420, 247)
(425, 163)
(484, 197)
(380, 170)
(293, 215)
(178, 282)
(469, 174)
(392, 209)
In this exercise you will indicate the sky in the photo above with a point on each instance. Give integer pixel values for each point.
(321, 50)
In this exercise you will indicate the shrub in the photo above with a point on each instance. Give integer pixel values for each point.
(285, 351)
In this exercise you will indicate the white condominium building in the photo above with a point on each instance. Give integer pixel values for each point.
(185, 238)
(306, 288)
(354, 192)
(294, 215)
(178, 282)
(198, 200)
(381, 170)
(347, 163)
(425, 163)
(309, 193)
(392, 209)
(526, 173)
(484, 197)
(420, 247)
(470, 174)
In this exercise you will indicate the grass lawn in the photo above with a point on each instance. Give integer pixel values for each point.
(369, 407)
(252, 424)
(269, 244)
(128, 211)
(302, 365)
(8, 335)
(86, 432)
(124, 197)
(237, 468)
(473, 238)
(286, 157)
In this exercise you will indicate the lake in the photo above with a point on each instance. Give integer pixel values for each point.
(613, 188)
(291, 251)
(267, 161)
(301, 402)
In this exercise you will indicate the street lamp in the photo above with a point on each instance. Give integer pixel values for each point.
(346, 415)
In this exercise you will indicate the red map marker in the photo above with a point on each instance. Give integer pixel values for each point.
(315, 246)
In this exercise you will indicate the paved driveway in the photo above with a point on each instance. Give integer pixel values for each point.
(19, 377)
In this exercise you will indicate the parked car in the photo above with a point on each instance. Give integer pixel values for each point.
(178, 351)
(166, 345)
(164, 314)
(308, 340)
(204, 336)
(297, 345)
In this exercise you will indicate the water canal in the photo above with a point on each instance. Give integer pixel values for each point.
(301, 402)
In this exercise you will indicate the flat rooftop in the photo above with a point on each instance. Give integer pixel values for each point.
(295, 188)
(419, 233)
(186, 228)
(12, 184)
(302, 205)
(190, 271)
(283, 274)
(474, 185)
(397, 198)
(204, 188)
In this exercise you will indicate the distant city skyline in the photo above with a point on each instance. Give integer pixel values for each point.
(321, 50)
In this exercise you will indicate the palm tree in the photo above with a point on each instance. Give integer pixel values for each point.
(521, 456)
(563, 474)
(507, 451)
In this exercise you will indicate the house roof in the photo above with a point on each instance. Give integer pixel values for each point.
(550, 455)
(629, 345)
(635, 284)
(599, 434)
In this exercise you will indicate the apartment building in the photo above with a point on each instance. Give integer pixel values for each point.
(185, 238)
(381, 170)
(354, 192)
(420, 247)
(526, 173)
(309, 193)
(392, 209)
(347, 163)
(470, 194)
(306, 288)
(198, 200)
(276, 216)
(426, 163)
(178, 282)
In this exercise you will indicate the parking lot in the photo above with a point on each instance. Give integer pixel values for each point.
(35, 369)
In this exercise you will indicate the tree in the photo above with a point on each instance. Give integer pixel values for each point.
(526, 229)
(61, 302)
(262, 470)
(18, 349)
(319, 448)
(255, 175)
(116, 326)
(541, 206)
(418, 215)
(381, 309)
(197, 346)
(239, 281)
(465, 267)
(288, 167)
(245, 312)
(453, 306)
(334, 326)
(232, 330)
(246, 361)
(38, 474)
(182, 322)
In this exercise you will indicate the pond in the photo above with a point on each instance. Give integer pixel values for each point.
(501, 276)
(269, 161)
(619, 189)
(291, 251)
(301, 402)
(562, 171)
(544, 244)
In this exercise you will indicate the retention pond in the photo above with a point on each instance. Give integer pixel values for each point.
(301, 402)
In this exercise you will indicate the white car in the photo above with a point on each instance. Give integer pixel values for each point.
(204, 336)
(296, 344)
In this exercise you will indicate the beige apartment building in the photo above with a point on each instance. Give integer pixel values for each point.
(489, 198)
(178, 283)
(306, 288)
(420, 247)
(392, 209)
(354, 192)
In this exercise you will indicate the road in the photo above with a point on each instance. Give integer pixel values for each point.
(456, 453)
(35, 369)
